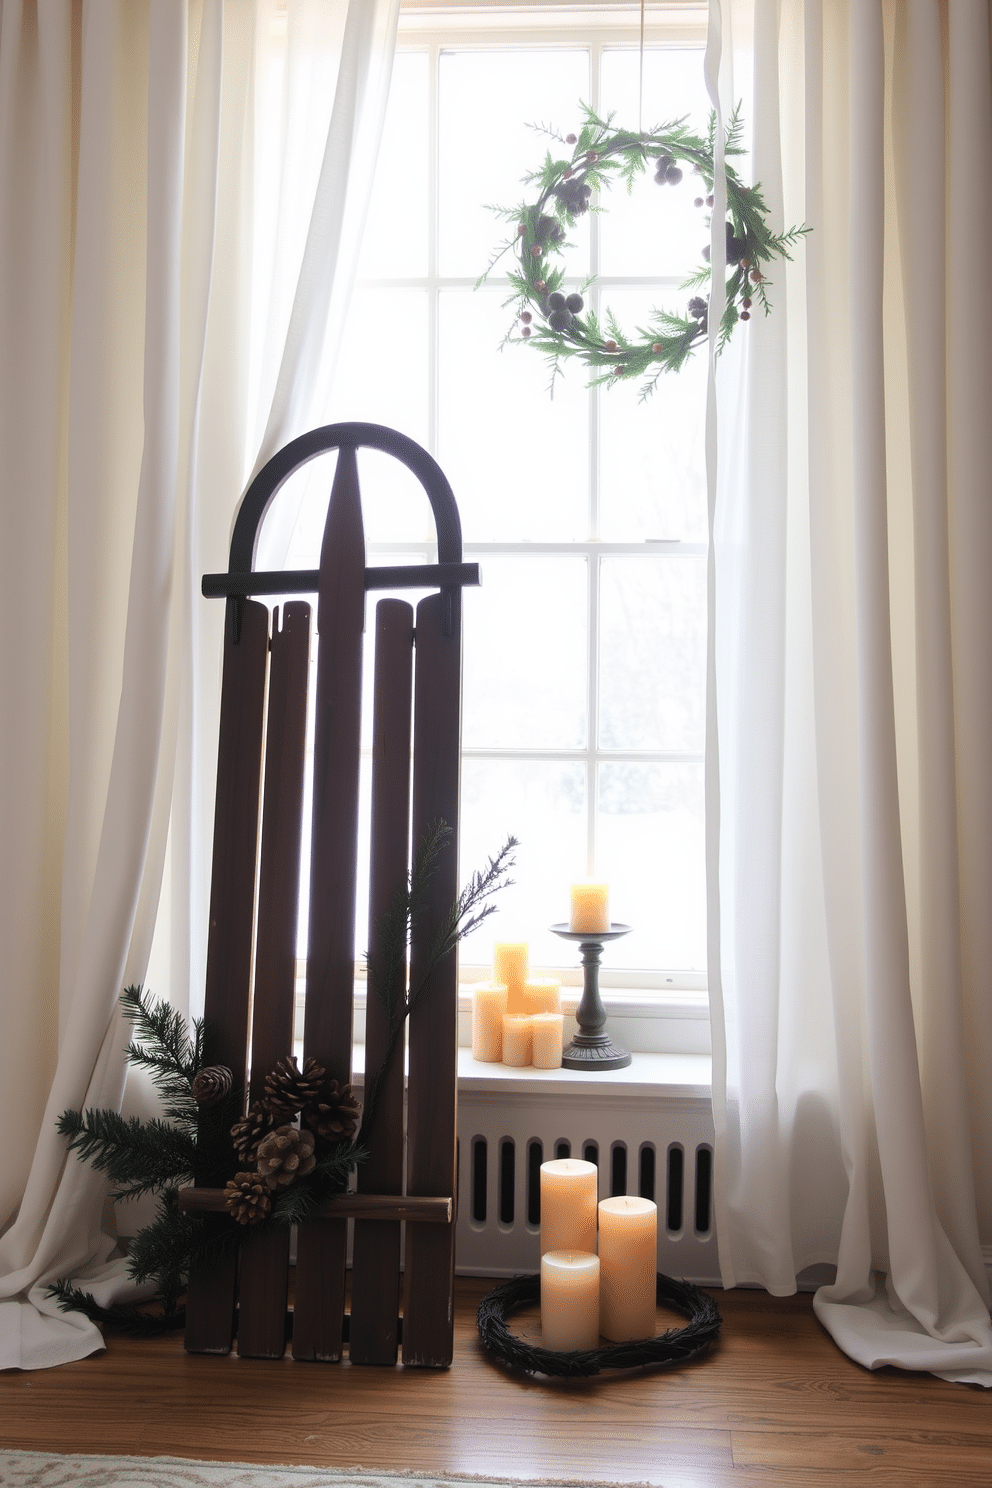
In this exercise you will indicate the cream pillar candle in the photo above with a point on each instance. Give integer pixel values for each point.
(511, 961)
(569, 1300)
(590, 907)
(518, 1036)
(568, 1204)
(628, 1258)
(548, 1035)
(542, 995)
(488, 1007)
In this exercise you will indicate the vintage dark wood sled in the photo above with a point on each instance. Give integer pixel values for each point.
(252, 935)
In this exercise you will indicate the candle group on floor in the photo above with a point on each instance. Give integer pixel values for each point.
(517, 1019)
(586, 1295)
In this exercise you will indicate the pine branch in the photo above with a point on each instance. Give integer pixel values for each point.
(302, 1201)
(395, 928)
(166, 1250)
(125, 1318)
(137, 1156)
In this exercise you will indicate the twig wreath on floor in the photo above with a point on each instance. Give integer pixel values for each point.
(560, 324)
(676, 1346)
(281, 1160)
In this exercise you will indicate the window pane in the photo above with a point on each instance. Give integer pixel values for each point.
(652, 454)
(489, 103)
(652, 656)
(525, 655)
(517, 460)
(543, 805)
(398, 196)
(651, 850)
(656, 229)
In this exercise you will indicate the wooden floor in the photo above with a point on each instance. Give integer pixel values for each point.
(774, 1403)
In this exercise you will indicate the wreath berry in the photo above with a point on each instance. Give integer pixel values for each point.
(560, 323)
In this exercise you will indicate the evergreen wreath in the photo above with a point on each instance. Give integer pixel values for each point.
(273, 1171)
(560, 324)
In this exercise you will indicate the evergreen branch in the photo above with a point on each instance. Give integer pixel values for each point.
(163, 1026)
(137, 1156)
(133, 1321)
(167, 1249)
(303, 1200)
(395, 929)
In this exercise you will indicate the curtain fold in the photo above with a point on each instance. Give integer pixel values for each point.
(851, 710)
(132, 141)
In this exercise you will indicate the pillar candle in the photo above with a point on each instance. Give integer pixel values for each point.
(488, 1007)
(568, 1204)
(569, 1300)
(511, 961)
(590, 907)
(518, 1035)
(542, 995)
(548, 1035)
(628, 1258)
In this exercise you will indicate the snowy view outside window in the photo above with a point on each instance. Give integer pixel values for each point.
(585, 646)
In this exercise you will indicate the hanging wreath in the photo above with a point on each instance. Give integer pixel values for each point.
(560, 323)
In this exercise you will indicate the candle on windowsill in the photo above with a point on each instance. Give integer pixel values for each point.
(488, 1007)
(511, 961)
(542, 995)
(568, 1204)
(518, 1036)
(590, 907)
(628, 1261)
(569, 1300)
(548, 1036)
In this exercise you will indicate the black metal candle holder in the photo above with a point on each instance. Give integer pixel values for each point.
(592, 1048)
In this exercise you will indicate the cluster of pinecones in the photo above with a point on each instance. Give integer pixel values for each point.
(282, 1152)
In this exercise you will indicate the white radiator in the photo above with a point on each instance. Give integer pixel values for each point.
(648, 1136)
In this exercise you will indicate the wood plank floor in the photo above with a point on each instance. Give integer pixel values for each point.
(775, 1403)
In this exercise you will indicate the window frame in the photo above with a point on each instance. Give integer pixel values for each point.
(428, 27)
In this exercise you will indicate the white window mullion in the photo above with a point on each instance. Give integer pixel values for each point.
(433, 306)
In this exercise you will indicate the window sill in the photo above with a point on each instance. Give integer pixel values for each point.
(679, 1077)
(646, 1022)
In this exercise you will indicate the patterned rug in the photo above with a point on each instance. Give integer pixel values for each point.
(48, 1470)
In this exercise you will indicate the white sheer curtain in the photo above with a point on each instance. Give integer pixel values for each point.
(851, 621)
(134, 143)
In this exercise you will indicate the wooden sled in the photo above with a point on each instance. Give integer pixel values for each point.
(251, 953)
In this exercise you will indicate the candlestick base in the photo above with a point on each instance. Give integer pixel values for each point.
(592, 1049)
(603, 1055)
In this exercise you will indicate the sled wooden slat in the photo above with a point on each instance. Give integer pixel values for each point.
(264, 1282)
(433, 1038)
(375, 1281)
(322, 1249)
(211, 1294)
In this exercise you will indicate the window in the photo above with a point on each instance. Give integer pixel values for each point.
(585, 646)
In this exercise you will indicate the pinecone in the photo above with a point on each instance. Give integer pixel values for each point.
(210, 1085)
(247, 1198)
(249, 1131)
(287, 1088)
(335, 1115)
(285, 1154)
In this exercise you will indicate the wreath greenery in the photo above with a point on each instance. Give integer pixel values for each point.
(559, 323)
